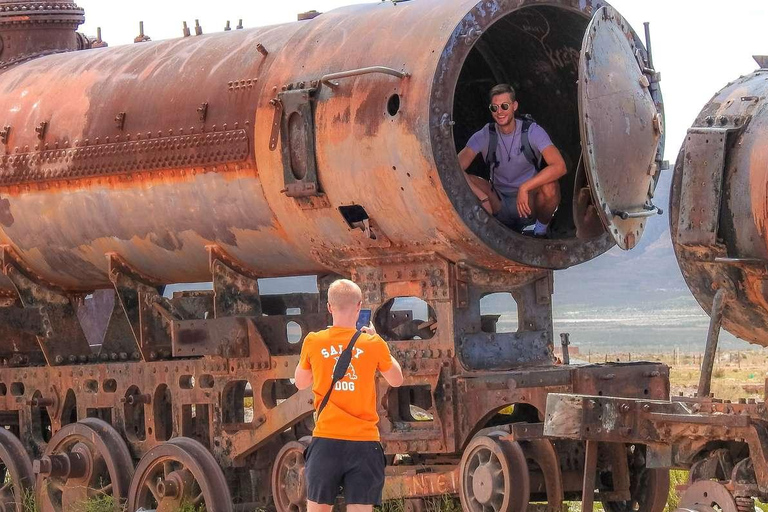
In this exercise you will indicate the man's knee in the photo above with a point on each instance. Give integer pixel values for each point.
(549, 193)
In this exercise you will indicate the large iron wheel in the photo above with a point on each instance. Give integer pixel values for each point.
(494, 476)
(542, 453)
(83, 461)
(179, 473)
(16, 472)
(707, 495)
(648, 488)
(288, 489)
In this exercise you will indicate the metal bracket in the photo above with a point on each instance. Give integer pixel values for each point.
(702, 186)
(236, 289)
(149, 314)
(59, 334)
(297, 138)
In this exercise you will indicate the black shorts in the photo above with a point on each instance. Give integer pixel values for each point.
(354, 468)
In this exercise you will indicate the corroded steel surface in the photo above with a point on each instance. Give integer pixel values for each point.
(225, 158)
(163, 166)
(719, 206)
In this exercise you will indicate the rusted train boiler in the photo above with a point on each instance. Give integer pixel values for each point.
(324, 147)
(718, 228)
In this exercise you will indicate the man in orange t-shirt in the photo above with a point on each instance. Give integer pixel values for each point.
(345, 451)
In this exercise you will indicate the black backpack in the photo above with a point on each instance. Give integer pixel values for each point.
(492, 162)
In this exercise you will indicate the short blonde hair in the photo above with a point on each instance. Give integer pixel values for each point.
(344, 295)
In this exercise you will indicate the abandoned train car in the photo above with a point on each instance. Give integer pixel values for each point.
(322, 147)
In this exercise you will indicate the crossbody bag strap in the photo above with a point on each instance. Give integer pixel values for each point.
(340, 370)
(491, 161)
(528, 150)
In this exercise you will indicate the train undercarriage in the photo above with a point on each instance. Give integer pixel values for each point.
(189, 399)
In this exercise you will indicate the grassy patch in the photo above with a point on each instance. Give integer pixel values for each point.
(28, 501)
(103, 503)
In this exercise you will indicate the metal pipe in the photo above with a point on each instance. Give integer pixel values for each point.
(648, 44)
(328, 79)
(564, 342)
(707, 363)
(649, 212)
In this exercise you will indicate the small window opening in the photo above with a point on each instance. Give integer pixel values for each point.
(237, 406)
(498, 313)
(294, 332)
(276, 391)
(406, 318)
(162, 403)
(186, 382)
(357, 218)
(110, 386)
(206, 381)
(411, 404)
(102, 413)
(17, 389)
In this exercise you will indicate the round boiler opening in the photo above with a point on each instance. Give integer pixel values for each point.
(536, 50)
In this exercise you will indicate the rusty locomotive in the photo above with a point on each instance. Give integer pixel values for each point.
(718, 227)
(323, 147)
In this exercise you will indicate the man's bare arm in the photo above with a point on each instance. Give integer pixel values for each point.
(554, 170)
(466, 157)
(303, 378)
(394, 376)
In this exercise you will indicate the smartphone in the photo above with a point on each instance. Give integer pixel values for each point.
(364, 319)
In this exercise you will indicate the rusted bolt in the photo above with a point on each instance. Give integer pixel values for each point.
(137, 399)
(624, 407)
(709, 120)
(40, 402)
(646, 407)
(41, 129)
(58, 359)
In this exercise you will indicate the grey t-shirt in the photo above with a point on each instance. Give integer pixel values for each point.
(514, 169)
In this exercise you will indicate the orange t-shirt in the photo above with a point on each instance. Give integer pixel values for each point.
(351, 411)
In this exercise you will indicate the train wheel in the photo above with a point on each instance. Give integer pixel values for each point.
(542, 452)
(179, 473)
(706, 495)
(16, 472)
(83, 461)
(494, 476)
(288, 489)
(649, 488)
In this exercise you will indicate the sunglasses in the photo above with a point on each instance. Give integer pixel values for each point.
(504, 106)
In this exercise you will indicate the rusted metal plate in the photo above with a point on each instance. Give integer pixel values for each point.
(700, 196)
(620, 127)
(126, 154)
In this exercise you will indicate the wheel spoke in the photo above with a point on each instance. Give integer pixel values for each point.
(152, 486)
(167, 468)
(198, 499)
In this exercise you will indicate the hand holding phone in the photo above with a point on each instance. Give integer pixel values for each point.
(363, 319)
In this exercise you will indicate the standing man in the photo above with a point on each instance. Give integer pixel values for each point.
(345, 451)
(518, 193)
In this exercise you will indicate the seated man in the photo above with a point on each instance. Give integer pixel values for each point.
(522, 189)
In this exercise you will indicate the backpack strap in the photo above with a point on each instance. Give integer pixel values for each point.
(491, 162)
(340, 370)
(527, 149)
